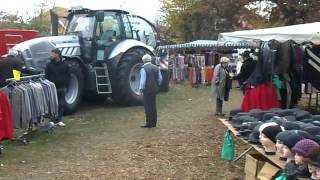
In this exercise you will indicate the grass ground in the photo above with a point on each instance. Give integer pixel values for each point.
(106, 142)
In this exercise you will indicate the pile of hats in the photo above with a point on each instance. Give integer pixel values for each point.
(248, 123)
(292, 134)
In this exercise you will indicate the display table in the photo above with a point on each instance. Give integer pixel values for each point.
(273, 158)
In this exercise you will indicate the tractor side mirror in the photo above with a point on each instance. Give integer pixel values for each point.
(158, 43)
(100, 16)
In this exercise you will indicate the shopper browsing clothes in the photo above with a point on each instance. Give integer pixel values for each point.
(150, 81)
(57, 71)
(8, 64)
(246, 70)
(221, 84)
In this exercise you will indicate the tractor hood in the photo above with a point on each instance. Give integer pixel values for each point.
(36, 52)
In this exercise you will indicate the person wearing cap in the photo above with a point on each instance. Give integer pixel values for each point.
(268, 133)
(150, 81)
(7, 65)
(57, 71)
(314, 167)
(219, 84)
(288, 140)
(246, 70)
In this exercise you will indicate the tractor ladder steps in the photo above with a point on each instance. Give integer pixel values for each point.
(103, 84)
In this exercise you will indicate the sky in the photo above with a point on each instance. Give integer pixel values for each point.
(149, 9)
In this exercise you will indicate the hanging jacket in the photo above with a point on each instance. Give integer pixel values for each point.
(6, 120)
(246, 70)
(264, 68)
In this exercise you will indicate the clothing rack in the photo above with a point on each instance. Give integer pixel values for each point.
(49, 127)
(27, 77)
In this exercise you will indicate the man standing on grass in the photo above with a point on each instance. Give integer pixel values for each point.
(150, 81)
(57, 71)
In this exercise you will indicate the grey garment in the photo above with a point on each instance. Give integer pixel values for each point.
(219, 82)
(42, 102)
(16, 104)
(26, 109)
(287, 80)
(32, 104)
(46, 91)
(36, 104)
(53, 99)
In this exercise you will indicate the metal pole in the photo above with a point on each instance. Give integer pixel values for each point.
(242, 154)
(26, 77)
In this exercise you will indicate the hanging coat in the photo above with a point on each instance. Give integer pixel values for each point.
(219, 82)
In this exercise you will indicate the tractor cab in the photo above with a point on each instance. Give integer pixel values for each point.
(100, 31)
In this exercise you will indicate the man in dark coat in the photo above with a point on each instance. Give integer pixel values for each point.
(246, 69)
(8, 64)
(150, 81)
(57, 71)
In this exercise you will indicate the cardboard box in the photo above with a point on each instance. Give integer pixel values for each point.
(254, 163)
(250, 177)
(268, 171)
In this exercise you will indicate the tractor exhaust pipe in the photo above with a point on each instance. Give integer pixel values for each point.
(54, 23)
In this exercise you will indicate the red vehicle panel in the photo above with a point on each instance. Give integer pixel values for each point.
(11, 37)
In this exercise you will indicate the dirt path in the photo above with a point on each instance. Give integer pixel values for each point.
(107, 143)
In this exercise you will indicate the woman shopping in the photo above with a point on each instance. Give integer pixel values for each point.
(221, 84)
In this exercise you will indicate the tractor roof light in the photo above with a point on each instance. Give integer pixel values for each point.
(76, 8)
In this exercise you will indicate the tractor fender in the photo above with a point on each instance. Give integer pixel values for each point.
(127, 44)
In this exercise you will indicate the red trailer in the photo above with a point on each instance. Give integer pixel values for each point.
(12, 37)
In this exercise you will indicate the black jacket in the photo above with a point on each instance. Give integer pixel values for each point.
(58, 73)
(6, 66)
(246, 70)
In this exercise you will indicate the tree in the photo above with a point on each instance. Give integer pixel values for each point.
(292, 12)
(201, 19)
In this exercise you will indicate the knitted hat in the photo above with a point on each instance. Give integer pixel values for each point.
(306, 148)
(291, 140)
(146, 58)
(271, 132)
(282, 135)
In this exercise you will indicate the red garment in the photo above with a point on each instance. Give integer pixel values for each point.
(263, 97)
(209, 75)
(6, 120)
(190, 76)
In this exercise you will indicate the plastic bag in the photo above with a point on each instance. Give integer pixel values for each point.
(282, 176)
(227, 152)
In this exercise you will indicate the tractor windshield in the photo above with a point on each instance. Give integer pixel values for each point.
(82, 25)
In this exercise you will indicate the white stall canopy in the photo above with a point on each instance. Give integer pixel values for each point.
(298, 33)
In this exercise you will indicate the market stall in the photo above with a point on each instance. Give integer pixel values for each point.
(288, 57)
(195, 60)
(267, 120)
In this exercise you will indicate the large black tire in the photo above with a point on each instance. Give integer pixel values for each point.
(75, 88)
(128, 78)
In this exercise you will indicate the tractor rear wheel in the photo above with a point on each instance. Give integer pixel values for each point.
(128, 78)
